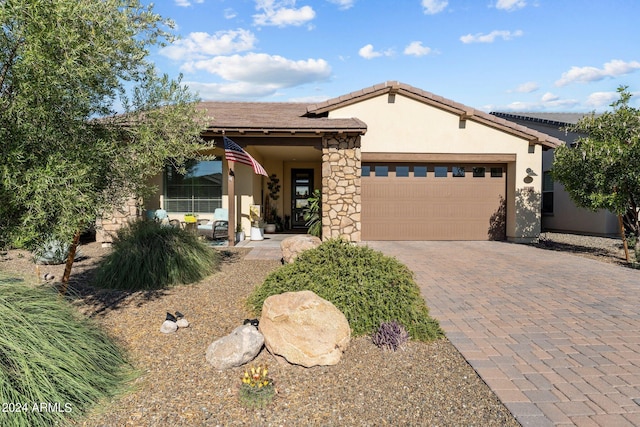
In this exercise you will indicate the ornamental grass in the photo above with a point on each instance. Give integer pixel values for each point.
(54, 364)
(147, 255)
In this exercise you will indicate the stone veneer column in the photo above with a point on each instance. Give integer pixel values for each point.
(341, 167)
(107, 225)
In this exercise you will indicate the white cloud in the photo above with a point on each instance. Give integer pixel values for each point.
(612, 68)
(367, 52)
(230, 13)
(601, 99)
(267, 71)
(527, 87)
(510, 5)
(202, 45)
(415, 48)
(231, 91)
(431, 7)
(491, 37)
(343, 4)
(278, 13)
(186, 3)
(549, 97)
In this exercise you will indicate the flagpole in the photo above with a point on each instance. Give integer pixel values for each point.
(232, 206)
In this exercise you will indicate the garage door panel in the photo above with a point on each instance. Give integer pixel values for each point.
(430, 208)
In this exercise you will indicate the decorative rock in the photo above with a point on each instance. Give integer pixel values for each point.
(304, 329)
(239, 347)
(182, 323)
(168, 327)
(295, 245)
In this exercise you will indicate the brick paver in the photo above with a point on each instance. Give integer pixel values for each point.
(556, 336)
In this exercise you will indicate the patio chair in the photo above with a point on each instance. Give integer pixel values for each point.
(217, 228)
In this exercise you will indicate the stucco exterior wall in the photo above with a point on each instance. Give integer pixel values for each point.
(409, 126)
(567, 217)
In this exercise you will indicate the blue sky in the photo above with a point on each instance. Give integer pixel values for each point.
(493, 55)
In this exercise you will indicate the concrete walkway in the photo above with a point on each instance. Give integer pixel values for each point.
(555, 336)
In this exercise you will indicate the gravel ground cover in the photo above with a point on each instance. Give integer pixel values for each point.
(422, 384)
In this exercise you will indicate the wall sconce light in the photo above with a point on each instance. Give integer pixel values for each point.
(530, 174)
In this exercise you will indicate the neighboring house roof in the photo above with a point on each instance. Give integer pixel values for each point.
(273, 117)
(554, 119)
(463, 111)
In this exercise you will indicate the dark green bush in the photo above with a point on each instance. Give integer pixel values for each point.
(367, 286)
(51, 356)
(147, 255)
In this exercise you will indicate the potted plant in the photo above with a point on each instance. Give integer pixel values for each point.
(239, 233)
(272, 211)
(254, 216)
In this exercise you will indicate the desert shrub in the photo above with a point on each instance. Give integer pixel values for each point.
(147, 255)
(54, 251)
(390, 335)
(51, 356)
(367, 286)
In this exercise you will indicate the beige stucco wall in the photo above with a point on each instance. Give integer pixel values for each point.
(570, 218)
(410, 126)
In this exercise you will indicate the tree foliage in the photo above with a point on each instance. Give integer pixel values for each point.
(66, 68)
(602, 170)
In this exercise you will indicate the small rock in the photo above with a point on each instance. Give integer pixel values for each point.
(168, 327)
(182, 323)
(239, 347)
(293, 246)
(170, 317)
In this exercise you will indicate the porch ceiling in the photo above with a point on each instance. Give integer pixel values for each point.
(289, 153)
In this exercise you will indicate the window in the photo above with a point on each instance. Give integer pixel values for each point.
(382, 170)
(458, 171)
(440, 171)
(199, 190)
(402, 171)
(496, 172)
(366, 170)
(547, 193)
(419, 171)
(479, 172)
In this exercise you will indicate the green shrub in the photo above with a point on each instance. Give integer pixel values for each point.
(51, 356)
(147, 255)
(367, 286)
(54, 252)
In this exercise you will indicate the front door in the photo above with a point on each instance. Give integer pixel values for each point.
(302, 187)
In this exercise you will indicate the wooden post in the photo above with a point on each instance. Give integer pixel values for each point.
(70, 258)
(232, 206)
(624, 238)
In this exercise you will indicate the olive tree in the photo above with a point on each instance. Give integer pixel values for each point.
(85, 119)
(602, 170)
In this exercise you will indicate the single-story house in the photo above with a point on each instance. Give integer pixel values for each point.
(393, 162)
(559, 213)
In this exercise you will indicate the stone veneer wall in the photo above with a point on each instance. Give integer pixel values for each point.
(341, 167)
(109, 224)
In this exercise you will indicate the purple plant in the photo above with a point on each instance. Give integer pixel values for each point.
(390, 335)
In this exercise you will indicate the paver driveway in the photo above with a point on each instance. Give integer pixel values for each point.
(555, 336)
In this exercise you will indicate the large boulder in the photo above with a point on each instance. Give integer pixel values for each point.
(239, 347)
(295, 245)
(304, 329)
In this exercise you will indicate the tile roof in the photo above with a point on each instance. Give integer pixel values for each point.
(273, 117)
(465, 112)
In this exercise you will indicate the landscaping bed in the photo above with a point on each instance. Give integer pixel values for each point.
(423, 384)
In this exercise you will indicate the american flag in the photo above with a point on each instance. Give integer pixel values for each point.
(235, 153)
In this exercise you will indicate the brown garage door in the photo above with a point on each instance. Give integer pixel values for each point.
(433, 202)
